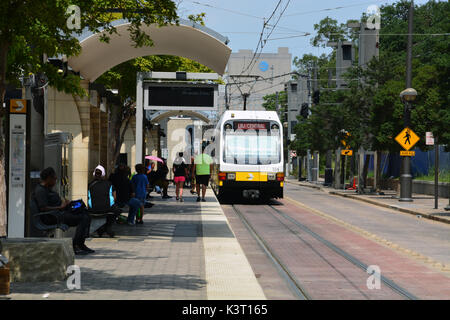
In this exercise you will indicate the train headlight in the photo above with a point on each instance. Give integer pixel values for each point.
(280, 176)
(275, 127)
(228, 126)
(231, 176)
(271, 176)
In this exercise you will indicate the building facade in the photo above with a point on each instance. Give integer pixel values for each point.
(270, 70)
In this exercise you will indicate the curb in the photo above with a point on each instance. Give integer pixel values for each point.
(380, 204)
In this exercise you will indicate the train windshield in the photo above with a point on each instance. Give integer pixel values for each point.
(252, 147)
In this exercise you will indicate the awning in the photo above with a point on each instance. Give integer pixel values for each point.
(187, 40)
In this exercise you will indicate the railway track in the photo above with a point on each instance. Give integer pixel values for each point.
(297, 288)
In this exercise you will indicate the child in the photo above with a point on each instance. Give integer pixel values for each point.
(140, 183)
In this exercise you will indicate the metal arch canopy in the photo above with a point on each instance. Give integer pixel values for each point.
(188, 40)
(162, 115)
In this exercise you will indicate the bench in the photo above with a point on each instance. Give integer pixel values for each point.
(59, 229)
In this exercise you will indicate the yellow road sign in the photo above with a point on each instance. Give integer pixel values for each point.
(344, 141)
(407, 138)
(347, 152)
(18, 106)
(407, 153)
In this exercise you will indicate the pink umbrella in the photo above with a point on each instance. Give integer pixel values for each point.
(154, 158)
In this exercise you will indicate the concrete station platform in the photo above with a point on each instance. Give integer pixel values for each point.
(182, 251)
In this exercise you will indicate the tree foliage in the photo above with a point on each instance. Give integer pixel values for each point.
(271, 102)
(371, 109)
(31, 29)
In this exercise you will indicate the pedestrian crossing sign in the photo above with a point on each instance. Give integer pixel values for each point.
(407, 138)
(347, 152)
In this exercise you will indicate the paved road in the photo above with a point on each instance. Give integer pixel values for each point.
(430, 238)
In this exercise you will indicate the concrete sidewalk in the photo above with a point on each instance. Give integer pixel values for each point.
(182, 251)
(423, 205)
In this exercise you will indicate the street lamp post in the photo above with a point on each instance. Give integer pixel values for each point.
(447, 208)
(407, 96)
(285, 146)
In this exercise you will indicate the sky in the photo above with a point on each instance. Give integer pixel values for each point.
(242, 20)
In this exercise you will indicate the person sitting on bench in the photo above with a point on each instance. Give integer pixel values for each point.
(101, 199)
(125, 193)
(48, 200)
(159, 178)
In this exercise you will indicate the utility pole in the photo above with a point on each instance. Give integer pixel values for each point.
(245, 96)
(277, 107)
(308, 152)
(406, 177)
(436, 172)
(226, 97)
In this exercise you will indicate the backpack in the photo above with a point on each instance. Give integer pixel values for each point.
(99, 196)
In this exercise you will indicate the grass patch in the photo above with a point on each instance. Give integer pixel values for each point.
(444, 176)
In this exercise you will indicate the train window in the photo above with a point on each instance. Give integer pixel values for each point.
(251, 147)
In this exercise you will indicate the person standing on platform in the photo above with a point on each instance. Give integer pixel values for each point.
(140, 183)
(180, 173)
(203, 166)
(192, 175)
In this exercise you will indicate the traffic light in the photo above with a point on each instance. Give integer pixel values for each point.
(304, 112)
(316, 97)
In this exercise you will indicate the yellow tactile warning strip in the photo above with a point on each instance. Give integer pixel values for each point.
(228, 273)
(412, 254)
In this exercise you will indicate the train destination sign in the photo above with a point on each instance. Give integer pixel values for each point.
(251, 125)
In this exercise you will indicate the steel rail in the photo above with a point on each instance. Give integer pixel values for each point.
(282, 269)
(346, 255)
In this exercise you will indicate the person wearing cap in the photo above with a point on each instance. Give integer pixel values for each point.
(101, 199)
(49, 200)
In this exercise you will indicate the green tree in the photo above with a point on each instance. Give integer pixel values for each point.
(270, 103)
(30, 29)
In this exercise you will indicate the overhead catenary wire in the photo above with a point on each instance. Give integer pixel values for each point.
(260, 44)
(270, 33)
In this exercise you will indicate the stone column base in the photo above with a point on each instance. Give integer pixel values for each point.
(38, 259)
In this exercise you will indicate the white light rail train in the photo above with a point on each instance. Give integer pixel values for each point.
(248, 159)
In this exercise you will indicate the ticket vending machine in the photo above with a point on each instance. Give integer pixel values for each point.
(56, 155)
(18, 161)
